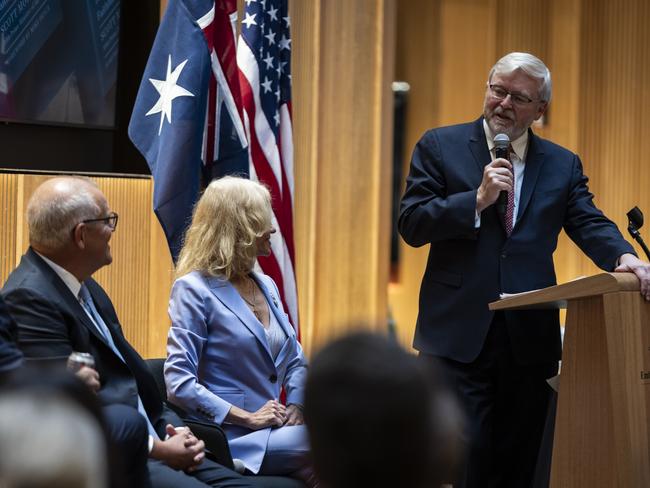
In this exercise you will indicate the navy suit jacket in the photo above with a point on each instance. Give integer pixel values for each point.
(467, 267)
(52, 324)
(10, 355)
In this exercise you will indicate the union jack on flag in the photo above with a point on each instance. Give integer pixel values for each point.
(208, 106)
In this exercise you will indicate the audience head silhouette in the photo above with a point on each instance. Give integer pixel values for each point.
(374, 417)
(49, 441)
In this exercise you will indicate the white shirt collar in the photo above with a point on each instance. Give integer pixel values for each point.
(68, 278)
(519, 145)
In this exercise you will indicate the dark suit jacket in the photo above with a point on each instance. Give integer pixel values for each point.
(10, 355)
(52, 324)
(467, 268)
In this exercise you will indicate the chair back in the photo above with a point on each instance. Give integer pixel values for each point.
(157, 367)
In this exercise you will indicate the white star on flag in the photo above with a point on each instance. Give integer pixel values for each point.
(269, 61)
(267, 84)
(285, 43)
(249, 20)
(168, 90)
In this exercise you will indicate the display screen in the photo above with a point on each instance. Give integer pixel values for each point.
(58, 61)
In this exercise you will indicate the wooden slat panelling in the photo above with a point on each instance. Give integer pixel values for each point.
(306, 60)
(8, 218)
(342, 106)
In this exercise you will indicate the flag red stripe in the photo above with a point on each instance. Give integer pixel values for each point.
(225, 47)
(211, 124)
(262, 166)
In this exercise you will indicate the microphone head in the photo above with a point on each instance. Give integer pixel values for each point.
(501, 141)
(635, 216)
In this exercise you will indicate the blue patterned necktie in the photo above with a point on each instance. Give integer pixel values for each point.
(88, 305)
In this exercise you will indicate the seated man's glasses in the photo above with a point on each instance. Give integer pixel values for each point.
(111, 220)
(501, 93)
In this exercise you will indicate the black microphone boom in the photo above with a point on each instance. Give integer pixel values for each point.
(501, 145)
(634, 223)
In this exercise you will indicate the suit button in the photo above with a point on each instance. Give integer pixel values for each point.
(504, 255)
(273, 378)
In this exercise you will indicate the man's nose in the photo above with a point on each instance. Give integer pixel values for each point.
(507, 102)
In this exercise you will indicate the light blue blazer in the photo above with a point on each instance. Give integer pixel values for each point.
(218, 356)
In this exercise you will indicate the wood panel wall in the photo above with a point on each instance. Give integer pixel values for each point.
(599, 55)
(343, 62)
(139, 279)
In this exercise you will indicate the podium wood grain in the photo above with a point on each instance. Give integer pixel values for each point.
(602, 431)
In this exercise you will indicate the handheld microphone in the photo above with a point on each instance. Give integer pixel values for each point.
(501, 144)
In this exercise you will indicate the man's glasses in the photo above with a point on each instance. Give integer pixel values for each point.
(111, 220)
(501, 93)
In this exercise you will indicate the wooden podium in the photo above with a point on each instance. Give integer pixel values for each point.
(602, 428)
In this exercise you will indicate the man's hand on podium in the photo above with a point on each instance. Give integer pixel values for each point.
(631, 264)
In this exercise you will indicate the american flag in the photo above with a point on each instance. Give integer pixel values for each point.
(264, 60)
(210, 106)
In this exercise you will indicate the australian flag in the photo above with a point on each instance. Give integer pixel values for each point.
(169, 122)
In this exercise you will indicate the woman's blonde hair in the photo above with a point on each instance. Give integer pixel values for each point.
(228, 218)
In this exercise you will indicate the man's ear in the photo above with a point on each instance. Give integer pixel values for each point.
(79, 235)
(541, 110)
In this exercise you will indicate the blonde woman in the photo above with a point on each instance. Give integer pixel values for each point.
(231, 347)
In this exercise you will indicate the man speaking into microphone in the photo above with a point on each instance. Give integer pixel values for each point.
(498, 362)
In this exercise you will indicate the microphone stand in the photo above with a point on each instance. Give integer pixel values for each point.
(635, 222)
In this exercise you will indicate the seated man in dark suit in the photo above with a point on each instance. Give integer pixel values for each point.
(59, 308)
(10, 356)
(125, 427)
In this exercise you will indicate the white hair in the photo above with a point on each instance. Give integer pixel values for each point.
(49, 441)
(529, 64)
(51, 215)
